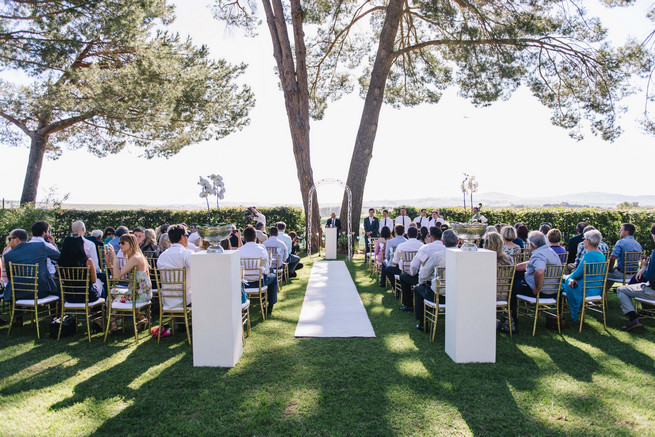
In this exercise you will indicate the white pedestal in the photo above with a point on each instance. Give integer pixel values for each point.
(330, 243)
(216, 303)
(471, 306)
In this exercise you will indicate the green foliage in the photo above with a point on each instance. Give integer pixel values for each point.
(61, 219)
(607, 221)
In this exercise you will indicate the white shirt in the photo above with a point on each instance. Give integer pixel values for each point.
(422, 221)
(426, 271)
(51, 267)
(255, 250)
(403, 220)
(261, 236)
(176, 257)
(433, 222)
(91, 252)
(261, 218)
(282, 253)
(424, 253)
(386, 222)
(408, 246)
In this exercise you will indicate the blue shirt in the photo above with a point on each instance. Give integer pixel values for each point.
(394, 242)
(625, 244)
(649, 274)
(539, 259)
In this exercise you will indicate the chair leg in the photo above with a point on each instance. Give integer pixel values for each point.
(186, 323)
(12, 309)
(434, 323)
(108, 324)
(536, 316)
(36, 317)
(61, 323)
(582, 314)
(136, 330)
(88, 324)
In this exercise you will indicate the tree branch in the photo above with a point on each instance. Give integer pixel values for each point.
(18, 123)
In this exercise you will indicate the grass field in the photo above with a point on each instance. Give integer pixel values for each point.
(399, 383)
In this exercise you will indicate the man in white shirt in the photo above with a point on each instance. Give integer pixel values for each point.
(409, 245)
(176, 257)
(409, 279)
(78, 228)
(41, 234)
(386, 221)
(436, 220)
(293, 260)
(254, 250)
(422, 220)
(424, 289)
(261, 235)
(258, 216)
(273, 241)
(403, 219)
(386, 263)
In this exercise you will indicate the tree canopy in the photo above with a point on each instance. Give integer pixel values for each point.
(105, 74)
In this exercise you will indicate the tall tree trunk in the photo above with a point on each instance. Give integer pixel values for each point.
(293, 77)
(368, 125)
(34, 164)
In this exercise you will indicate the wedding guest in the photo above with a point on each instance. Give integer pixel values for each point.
(177, 257)
(293, 260)
(149, 246)
(254, 250)
(410, 278)
(509, 236)
(574, 284)
(73, 254)
(554, 239)
(120, 231)
(164, 243)
(96, 238)
(391, 245)
(572, 245)
(522, 234)
(261, 235)
(626, 243)
(79, 229)
(295, 246)
(424, 235)
(496, 243)
(380, 244)
(108, 235)
(41, 233)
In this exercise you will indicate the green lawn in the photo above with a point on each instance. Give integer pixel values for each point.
(596, 382)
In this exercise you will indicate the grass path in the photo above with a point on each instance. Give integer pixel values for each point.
(398, 383)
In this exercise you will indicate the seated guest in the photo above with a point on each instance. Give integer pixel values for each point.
(554, 239)
(79, 229)
(41, 234)
(177, 257)
(387, 262)
(293, 260)
(444, 227)
(236, 240)
(545, 227)
(164, 243)
(161, 230)
(273, 241)
(120, 231)
(380, 244)
(522, 236)
(23, 252)
(627, 243)
(436, 220)
(334, 222)
(495, 242)
(529, 277)
(261, 235)
(422, 220)
(138, 233)
(149, 246)
(509, 236)
(193, 227)
(3, 275)
(602, 247)
(410, 245)
(386, 221)
(425, 289)
(572, 245)
(73, 254)
(295, 246)
(424, 235)
(371, 228)
(108, 235)
(410, 278)
(254, 250)
(574, 284)
(487, 231)
(96, 238)
(644, 290)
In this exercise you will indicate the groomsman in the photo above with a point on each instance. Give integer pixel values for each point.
(371, 227)
(386, 221)
(403, 219)
(422, 220)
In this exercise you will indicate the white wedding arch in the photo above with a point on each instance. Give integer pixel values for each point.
(311, 201)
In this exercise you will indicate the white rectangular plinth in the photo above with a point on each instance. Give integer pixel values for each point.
(330, 243)
(216, 303)
(471, 306)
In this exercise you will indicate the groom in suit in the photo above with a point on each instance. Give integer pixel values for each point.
(35, 252)
(334, 222)
(371, 226)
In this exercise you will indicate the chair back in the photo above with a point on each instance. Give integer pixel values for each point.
(606, 254)
(74, 284)
(101, 258)
(24, 279)
(631, 263)
(518, 257)
(252, 268)
(595, 275)
(274, 256)
(552, 279)
(440, 281)
(113, 281)
(563, 257)
(504, 281)
(371, 244)
(116, 290)
(405, 262)
(172, 285)
(526, 253)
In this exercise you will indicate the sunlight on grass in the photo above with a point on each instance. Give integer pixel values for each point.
(413, 368)
(154, 372)
(302, 402)
(36, 369)
(400, 343)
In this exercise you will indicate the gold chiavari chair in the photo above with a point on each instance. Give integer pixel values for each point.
(431, 310)
(172, 299)
(405, 261)
(24, 281)
(129, 308)
(594, 277)
(504, 282)
(547, 305)
(74, 286)
(252, 272)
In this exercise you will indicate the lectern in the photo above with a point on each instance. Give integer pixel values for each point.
(216, 303)
(330, 243)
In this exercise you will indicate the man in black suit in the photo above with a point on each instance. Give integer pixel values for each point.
(371, 227)
(572, 246)
(334, 222)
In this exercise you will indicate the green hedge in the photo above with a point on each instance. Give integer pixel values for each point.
(607, 221)
(60, 219)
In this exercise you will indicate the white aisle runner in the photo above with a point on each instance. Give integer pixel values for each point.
(332, 306)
